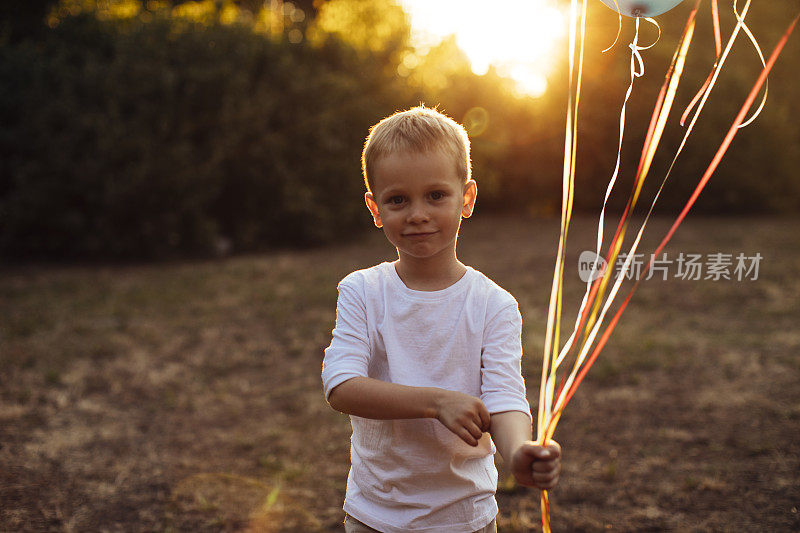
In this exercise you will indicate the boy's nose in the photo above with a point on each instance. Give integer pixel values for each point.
(417, 214)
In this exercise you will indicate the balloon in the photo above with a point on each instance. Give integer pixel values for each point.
(641, 8)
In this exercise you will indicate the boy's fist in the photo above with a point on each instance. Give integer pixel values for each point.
(464, 415)
(537, 466)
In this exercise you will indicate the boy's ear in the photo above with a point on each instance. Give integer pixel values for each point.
(373, 209)
(470, 195)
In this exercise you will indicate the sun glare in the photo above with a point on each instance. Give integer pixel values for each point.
(517, 37)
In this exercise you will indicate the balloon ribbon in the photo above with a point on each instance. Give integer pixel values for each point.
(549, 415)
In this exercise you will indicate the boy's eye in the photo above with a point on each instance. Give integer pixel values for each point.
(396, 200)
(437, 195)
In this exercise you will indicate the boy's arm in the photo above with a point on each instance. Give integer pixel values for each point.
(503, 391)
(381, 400)
(464, 415)
(532, 465)
(509, 431)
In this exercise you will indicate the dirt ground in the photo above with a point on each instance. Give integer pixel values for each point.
(187, 396)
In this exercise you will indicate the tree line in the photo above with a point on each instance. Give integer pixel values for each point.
(151, 130)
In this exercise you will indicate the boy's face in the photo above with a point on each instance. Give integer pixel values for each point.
(419, 199)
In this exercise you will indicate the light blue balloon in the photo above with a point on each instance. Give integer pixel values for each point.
(642, 8)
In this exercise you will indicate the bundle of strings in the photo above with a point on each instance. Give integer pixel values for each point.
(593, 308)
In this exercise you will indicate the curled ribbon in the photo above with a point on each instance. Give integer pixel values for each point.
(550, 408)
(720, 60)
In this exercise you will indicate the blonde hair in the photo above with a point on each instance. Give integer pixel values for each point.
(420, 129)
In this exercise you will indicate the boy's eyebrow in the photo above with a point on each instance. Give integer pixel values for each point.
(399, 190)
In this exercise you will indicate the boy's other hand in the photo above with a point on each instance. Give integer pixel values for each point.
(537, 466)
(464, 415)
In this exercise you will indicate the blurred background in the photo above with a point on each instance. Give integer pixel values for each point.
(134, 129)
(180, 193)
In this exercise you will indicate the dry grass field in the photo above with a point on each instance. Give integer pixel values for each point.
(187, 396)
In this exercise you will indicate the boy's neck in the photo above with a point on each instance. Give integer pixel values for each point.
(431, 273)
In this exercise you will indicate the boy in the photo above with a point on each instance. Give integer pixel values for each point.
(426, 351)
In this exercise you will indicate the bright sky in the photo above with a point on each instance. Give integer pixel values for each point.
(518, 37)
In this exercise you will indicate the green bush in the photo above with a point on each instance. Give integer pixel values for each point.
(157, 139)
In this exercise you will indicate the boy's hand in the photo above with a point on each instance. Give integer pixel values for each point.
(537, 466)
(464, 415)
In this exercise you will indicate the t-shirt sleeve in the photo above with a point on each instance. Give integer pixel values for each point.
(502, 385)
(348, 354)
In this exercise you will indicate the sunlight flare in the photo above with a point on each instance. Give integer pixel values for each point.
(519, 38)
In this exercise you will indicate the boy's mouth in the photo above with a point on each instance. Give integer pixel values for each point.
(419, 235)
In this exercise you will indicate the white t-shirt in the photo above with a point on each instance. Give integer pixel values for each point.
(415, 474)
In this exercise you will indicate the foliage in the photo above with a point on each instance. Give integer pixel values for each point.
(757, 174)
(23, 20)
(375, 26)
(133, 129)
(161, 137)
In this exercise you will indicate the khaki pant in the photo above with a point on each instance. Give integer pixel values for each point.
(351, 525)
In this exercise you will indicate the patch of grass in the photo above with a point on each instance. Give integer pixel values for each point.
(605, 372)
(690, 483)
(271, 463)
(169, 398)
(52, 377)
(139, 375)
(610, 470)
(506, 484)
